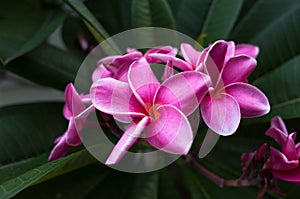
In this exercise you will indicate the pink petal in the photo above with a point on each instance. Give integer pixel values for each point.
(289, 148)
(101, 72)
(74, 104)
(221, 114)
(298, 149)
(72, 137)
(252, 101)
(168, 50)
(281, 162)
(238, 69)
(289, 175)
(219, 53)
(129, 137)
(169, 70)
(190, 54)
(278, 123)
(142, 81)
(184, 90)
(107, 60)
(171, 131)
(246, 49)
(279, 136)
(179, 63)
(60, 149)
(115, 97)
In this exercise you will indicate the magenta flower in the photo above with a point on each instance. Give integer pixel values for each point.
(160, 110)
(230, 97)
(117, 66)
(285, 163)
(73, 106)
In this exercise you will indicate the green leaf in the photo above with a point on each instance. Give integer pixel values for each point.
(76, 184)
(24, 26)
(117, 19)
(190, 15)
(47, 65)
(283, 89)
(28, 130)
(220, 19)
(93, 25)
(146, 186)
(274, 30)
(147, 13)
(44, 172)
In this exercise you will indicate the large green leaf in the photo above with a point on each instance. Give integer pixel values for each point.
(282, 86)
(147, 13)
(190, 15)
(93, 25)
(220, 19)
(28, 130)
(76, 184)
(113, 14)
(275, 30)
(25, 25)
(44, 172)
(47, 65)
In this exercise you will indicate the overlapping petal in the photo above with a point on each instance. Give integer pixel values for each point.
(219, 52)
(251, 100)
(129, 137)
(238, 69)
(142, 81)
(190, 55)
(281, 162)
(246, 49)
(179, 63)
(221, 114)
(184, 90)
(115, 97)
(171, 131)
(168, 50)
(101, 72)
(60, 149)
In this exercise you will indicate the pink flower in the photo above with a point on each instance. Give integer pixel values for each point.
(160, 110)
(117, 66)
(73, 106)
(285, 163)
(230, 97)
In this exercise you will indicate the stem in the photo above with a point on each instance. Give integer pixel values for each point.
(216, 179)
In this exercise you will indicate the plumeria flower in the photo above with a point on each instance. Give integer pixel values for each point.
(193, 59)
(117, 66)
(230, 97)
(74, 105)
(285, 164)
(159, 110)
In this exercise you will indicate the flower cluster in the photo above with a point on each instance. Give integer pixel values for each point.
(261, 166)
(124, 86)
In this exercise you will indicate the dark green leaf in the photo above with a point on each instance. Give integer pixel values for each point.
(190, 16)
(76, 184)
(147, 13)
(47, 65)
(44, 172)
(282, 87)
(220, 19)
(93, 25)
(28, 130)
(146, 186)
(24, 26)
